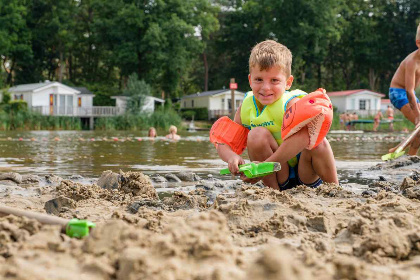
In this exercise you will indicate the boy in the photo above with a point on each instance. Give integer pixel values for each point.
(377, 120)
(401, 93)
(172, 133)
(269, 78)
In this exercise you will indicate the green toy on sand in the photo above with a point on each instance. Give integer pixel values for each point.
(400, 150)
(73, 228)
(254, 170)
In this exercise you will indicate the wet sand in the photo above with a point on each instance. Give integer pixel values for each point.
(220, 229)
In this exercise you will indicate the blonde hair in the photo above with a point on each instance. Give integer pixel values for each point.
(418, 32)
(269, 53)
(172, 128)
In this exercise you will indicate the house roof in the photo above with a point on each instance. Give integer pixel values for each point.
(125, 97)
(351, 92)
(38, 86)
(83, 90)
(28, 87)
(209, 93)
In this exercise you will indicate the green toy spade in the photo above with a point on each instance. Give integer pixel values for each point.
(73, 228)
(400, 150)
(253, 170)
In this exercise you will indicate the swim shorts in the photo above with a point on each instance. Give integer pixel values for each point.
(398, 97)
(294, 180)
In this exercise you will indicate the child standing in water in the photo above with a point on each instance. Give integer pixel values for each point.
(401, 93)
(390, 116)
(377, 120)
(262, 112)
(172, 133)
(152, 132)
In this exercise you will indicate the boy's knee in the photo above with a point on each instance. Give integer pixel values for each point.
(321, 146)
(258, 135)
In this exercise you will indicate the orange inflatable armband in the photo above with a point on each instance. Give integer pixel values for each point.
(228, 132)
(314, 111)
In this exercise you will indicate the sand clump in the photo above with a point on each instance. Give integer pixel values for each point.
(14, 230)
(137, 184)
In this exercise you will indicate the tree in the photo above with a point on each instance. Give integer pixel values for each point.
(15, 36)
(136, 90)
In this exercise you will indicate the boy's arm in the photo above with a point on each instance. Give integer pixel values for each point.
(410, 79)
(292, 145)
(226, 153)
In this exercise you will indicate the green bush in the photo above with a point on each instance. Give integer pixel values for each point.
(18, 105)
(161, 118)
(200, 113)
(188, 115)
(28, 120)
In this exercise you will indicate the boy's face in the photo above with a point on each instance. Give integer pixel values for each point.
(269, 85)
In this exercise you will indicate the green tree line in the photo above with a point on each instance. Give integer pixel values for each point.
(181, 47)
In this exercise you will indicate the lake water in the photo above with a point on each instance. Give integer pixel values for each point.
(89, 153)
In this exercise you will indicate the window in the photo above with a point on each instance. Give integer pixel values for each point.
(192, 103)
(362, 104)
(185, 104)
(223, 103)
(229, 105)
(69, 101)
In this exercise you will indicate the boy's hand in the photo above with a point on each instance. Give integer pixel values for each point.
(251, 180)
(233, 164)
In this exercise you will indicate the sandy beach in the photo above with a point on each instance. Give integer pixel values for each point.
(221, 229)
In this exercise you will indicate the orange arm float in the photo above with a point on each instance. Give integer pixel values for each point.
(314, 111)
(226, 131)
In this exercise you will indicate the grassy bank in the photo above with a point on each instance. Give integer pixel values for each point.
(159, 119)
(400, 124)
(27, 120)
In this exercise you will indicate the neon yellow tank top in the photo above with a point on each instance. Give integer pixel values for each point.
(270, 117)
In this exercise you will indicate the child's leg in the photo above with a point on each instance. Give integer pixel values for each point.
(261, 145)
(409, 114)
(318, 163)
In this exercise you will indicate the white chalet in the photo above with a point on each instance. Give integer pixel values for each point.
(149, 105)
(54, 98)
(362, 101)
(217, 102)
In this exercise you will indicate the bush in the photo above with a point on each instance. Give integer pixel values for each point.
(25, 119)
(161, 118)
(188, 115)
(18, 105)
(200, 113)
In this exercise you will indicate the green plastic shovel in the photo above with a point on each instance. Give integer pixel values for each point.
(400, 150)
(73, 228)
(253, 170)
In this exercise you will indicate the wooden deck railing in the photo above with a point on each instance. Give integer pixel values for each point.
(367, 113)
(95, 111)
(215, 114)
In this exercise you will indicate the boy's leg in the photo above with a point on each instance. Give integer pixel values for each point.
(318, 163)
(409, 114)
(261, 145)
